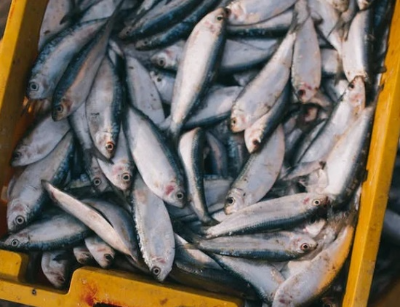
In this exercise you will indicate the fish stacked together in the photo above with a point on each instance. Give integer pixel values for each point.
(220, 143)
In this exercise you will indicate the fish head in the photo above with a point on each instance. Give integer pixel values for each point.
(252, 138)
(38, 87)
(160, 268)
(304, 92)
(57, 278)
(62, 109)
(20, 155)
(238, 121)
(106, 260)
(175, 194)
(314, 227)
(303, 244)
(234, 201)
(16, 241)
(17, 215)
(106, 143)
(364, 4)
(84, 257)
(356, 94)
(165, 59)
(124, 175)
(214, 22)
(237, 12)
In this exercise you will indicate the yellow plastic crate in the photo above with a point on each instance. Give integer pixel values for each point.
(91, 285)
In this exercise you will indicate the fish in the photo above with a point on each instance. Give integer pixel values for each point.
(103, 108)
(82, 254)
(258, 174)
(101, 252)
(156, 236)
(57, 267)
(206, 41)
(39, 141)
(218, 155)
(27, 197)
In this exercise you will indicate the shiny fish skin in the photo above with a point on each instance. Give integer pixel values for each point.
(273, 27)
(306, 66)
(57, 271)
(253, 11)
(55, 56)
(331, 62)
(178, 31)
(164, 83)
(277, 246)
(82, 254)
(218, 155)
(190, 151)
(142, 91)
(340, 5)
(262, 92)
(312, 281)
(163, 175)
(121, 169)
(102, 252)
(156, 236)
(39, 141)
(75, 84)
(364, 4)
(264, 277)
(271, 214)
(357, 47)
(104, 107)
(202, 51)
(27, 197)
(257, 175)
(59, 230)
(261, 130)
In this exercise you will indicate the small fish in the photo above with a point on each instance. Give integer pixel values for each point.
(101, 252)
(57, 267)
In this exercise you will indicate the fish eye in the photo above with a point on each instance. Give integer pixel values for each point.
(301, 93)
(327, 305)
(316, 202)
(351, 85)
(161, 62)
(110, 146)
(59, 109)
(156, 271)
(61, 279)
(179, 195)
(97, 181)
(108, 257)
(14, 242)
(230, 200)
(220, 17)
(233, 121)
(304, 247)
(126, 177)
(33, 86)
(159, 79)
(20, 220)
(17, 155)
(145, 42)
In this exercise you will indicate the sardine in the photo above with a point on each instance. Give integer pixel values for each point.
(102, 252)
(57, 267)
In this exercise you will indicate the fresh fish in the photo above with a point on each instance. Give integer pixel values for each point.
(120, 171)
(245, 77)
(271, 214)
(253, 11)
(177, 31)
(110, 222)
(258, 174)
(306, 66)
(335, 89)
(273, 27)
(277, 246)
(75, 85)
(190, 151)
(163, 15)
(104, 109)
(155, 161)
(237, 153)
(27, 197)
(340, 5)
(39, 141)
(56, 231)
(263, 276)
(357, 47)
(327, 18)
(312, 281)
(156, 236)
(205, 42)
(258, 97)
(57, 267)
(55, 56)
(51, 24)
(142, 91)
(102, 252)
(82, 254)
(169, 57)
(256, 135)
(218, 155)
(346, 18)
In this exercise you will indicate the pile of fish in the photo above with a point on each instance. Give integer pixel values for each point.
(219, 144)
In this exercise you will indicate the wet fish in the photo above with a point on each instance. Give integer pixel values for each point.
(102, 252)
(57, 267)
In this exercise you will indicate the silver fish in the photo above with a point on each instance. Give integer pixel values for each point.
(156, 236)
(258, 174)
(57, 267)
(102, 252)
(82, 254)
(201, 54)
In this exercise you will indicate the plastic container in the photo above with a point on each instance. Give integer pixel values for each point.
(91, 285)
